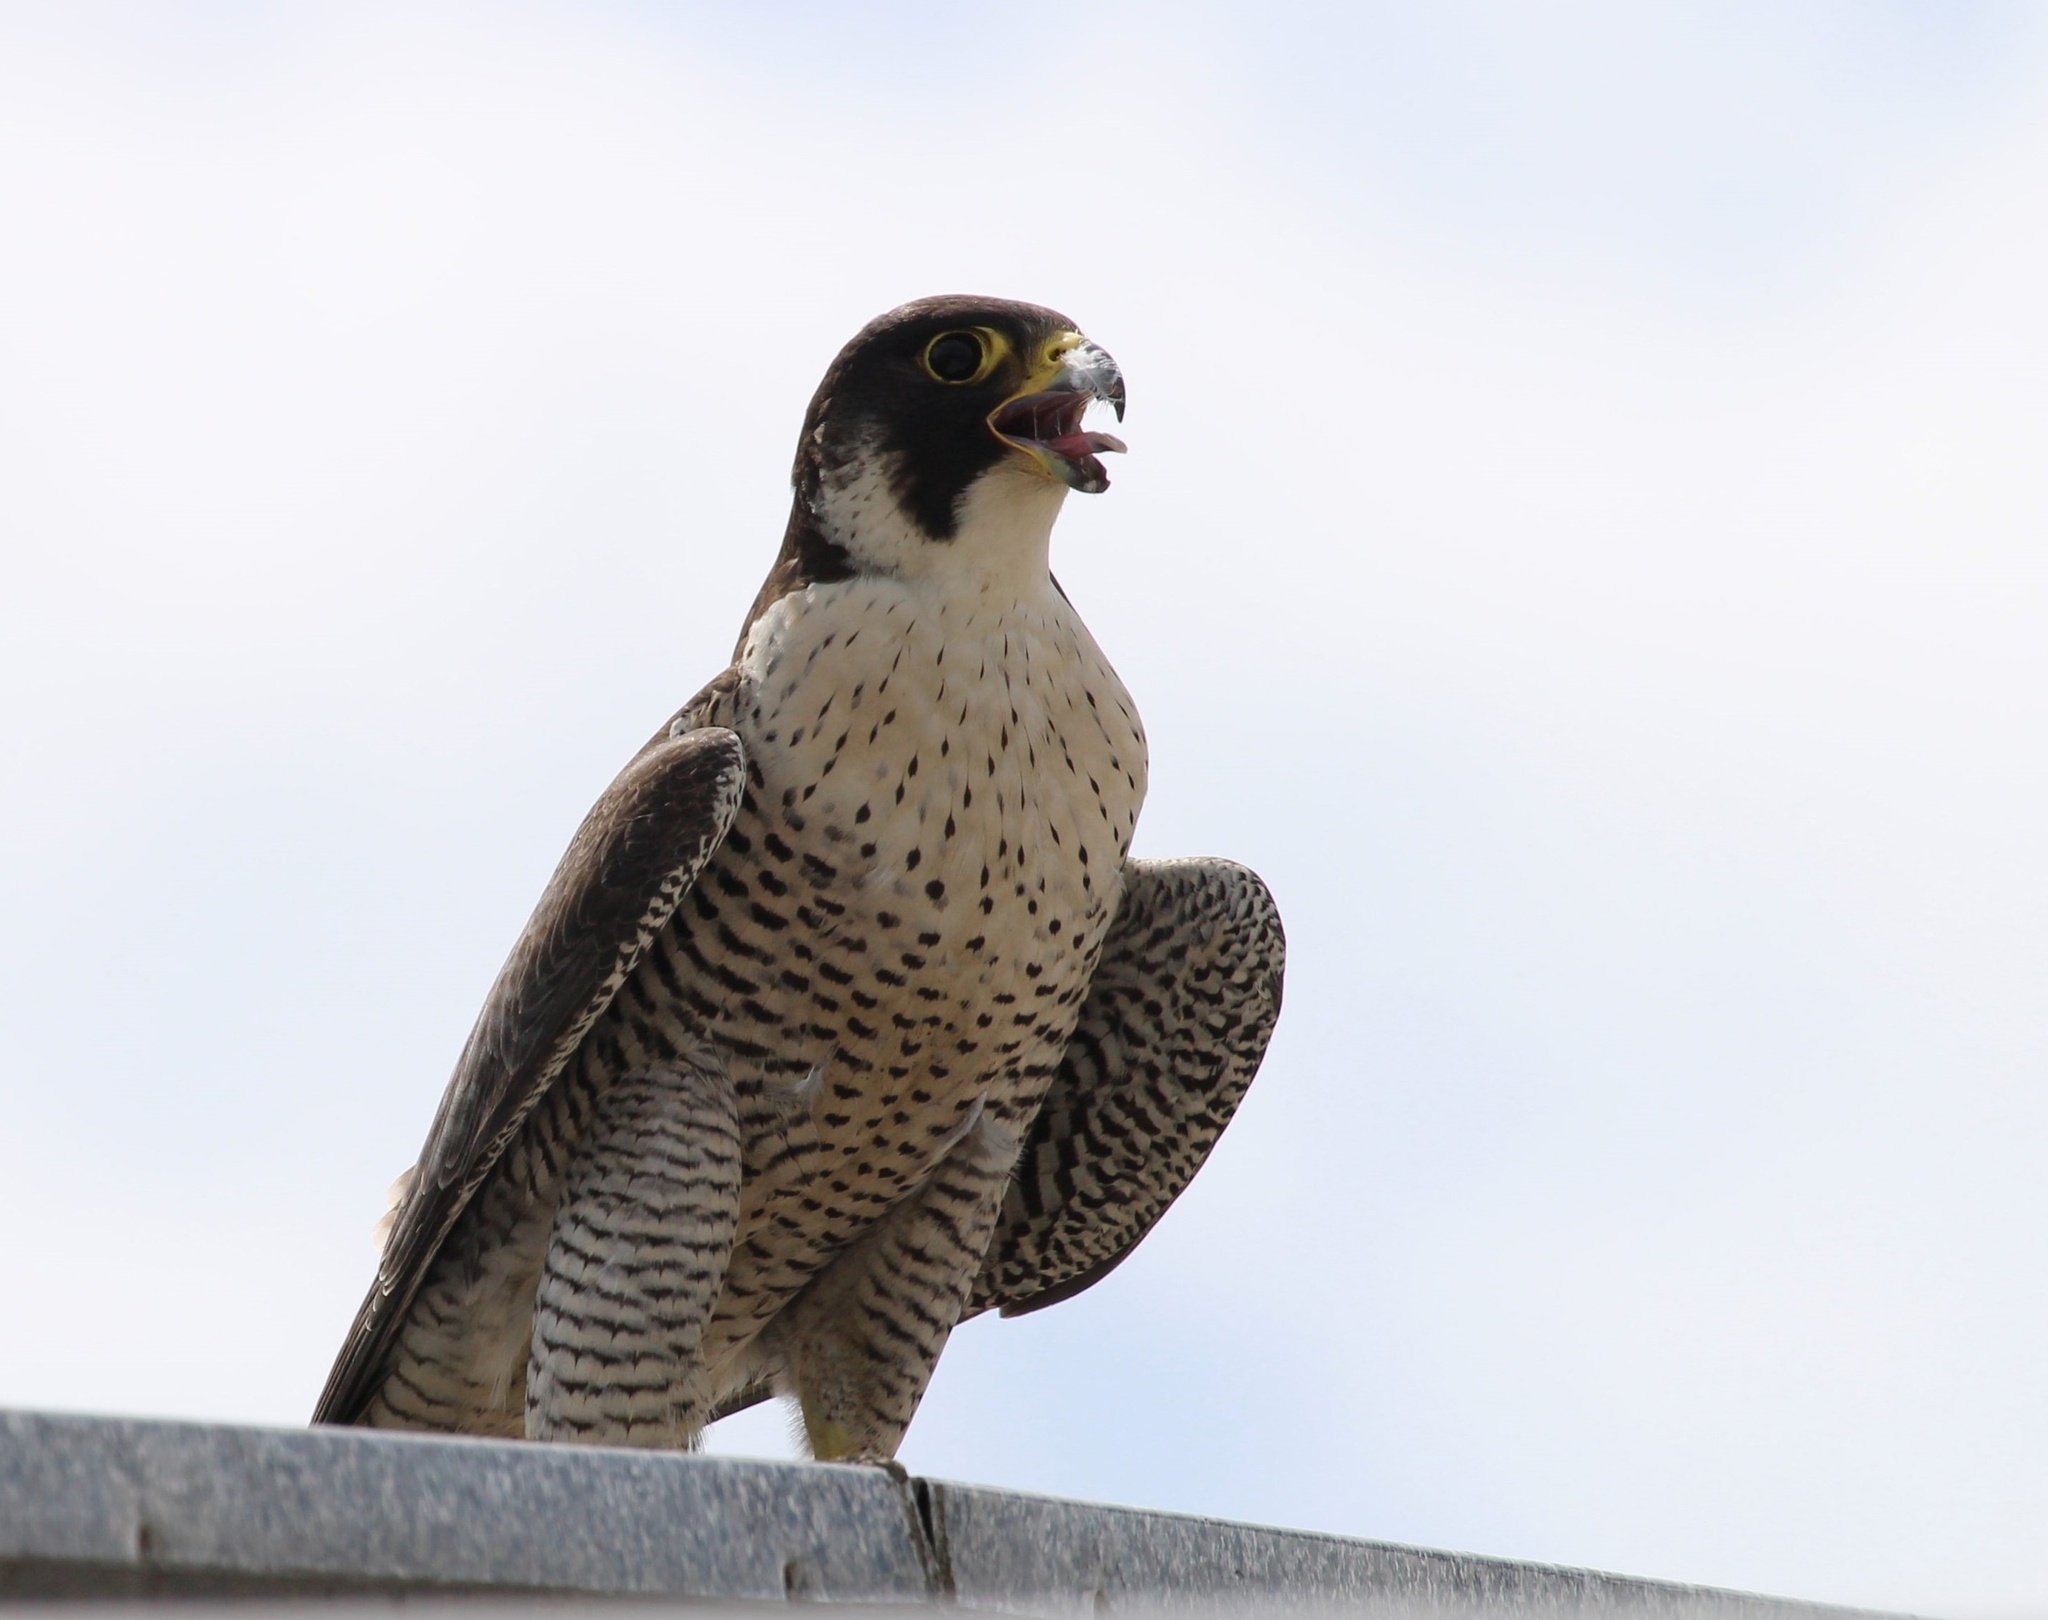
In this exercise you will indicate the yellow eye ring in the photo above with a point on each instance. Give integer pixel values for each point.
(963, 356)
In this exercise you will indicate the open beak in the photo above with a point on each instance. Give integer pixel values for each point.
(1045, 423)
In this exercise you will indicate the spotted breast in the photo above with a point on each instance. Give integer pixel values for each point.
(895, 938)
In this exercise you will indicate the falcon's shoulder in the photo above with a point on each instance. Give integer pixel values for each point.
(631, 861)
(1181, 1005)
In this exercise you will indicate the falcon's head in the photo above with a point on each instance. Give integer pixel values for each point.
(948, 426)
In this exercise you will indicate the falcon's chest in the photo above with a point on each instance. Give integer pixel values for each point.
(941, 796)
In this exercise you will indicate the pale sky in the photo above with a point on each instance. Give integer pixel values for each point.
(1585, 541)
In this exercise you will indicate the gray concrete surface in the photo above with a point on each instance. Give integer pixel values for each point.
(121, 1508)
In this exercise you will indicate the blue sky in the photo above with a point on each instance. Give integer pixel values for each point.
(1582, 542)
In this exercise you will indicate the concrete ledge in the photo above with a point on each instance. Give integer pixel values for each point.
(96, 1507)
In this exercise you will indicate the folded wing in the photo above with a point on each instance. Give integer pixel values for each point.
(630, 863)
(1177, 1018)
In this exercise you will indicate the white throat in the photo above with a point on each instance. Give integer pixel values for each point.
(1002, 546)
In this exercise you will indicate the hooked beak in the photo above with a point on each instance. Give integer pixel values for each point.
(1045, 421)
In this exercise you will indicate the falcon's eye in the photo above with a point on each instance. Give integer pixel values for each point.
(956, 357)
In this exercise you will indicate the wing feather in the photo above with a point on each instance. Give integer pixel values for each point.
(633, 859)
(1179, 1011)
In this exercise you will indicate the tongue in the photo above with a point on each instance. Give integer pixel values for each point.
(1076, 445)
(1076, 456)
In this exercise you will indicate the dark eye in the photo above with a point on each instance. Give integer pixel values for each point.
(954, 357)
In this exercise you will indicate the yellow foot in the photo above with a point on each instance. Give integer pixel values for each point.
(832, 1441)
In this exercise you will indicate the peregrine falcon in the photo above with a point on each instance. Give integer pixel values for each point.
(847, 1015)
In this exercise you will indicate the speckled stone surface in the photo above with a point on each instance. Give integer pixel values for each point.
(1004, 1550)
(121, 1508)
(115, 1506)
